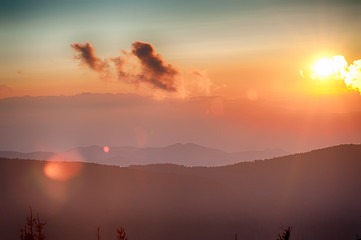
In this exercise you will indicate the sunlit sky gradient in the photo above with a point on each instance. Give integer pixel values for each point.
(240, 44)
(251, 50)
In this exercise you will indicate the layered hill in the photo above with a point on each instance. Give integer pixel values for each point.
(317, 193)
(182, 154)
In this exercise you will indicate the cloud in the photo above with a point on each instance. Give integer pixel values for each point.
(86, 53)
(144, 68)
(119, 63)
(163, 83)
(202, 81)
(152, 62)
(150, 68)
(352, 77)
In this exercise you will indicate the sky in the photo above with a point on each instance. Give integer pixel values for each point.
(256, 57)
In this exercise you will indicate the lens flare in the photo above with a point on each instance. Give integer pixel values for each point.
(106, 149)
(62, 171)
(63, 167)
(141, 136)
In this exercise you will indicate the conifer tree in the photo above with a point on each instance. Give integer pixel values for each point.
(33, 230)
(39, 229)
(121, 234)
(286, 234)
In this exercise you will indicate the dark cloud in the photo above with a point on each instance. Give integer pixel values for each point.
(150, 69)
(157, 82)
(87, 56)
(150, 60)
(155, 70)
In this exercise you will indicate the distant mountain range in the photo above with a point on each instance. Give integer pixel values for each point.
(182, 154)
(317, 193)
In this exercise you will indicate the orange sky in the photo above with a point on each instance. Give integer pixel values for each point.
(239, 47)
(247, 55)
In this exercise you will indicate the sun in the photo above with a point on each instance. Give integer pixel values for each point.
(328, 67)
(323, 67)
(335, 72)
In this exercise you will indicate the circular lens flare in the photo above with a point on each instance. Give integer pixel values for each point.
(62, 171)
(106, 149)
(63, 167)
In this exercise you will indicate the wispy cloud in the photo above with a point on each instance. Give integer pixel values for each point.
(86, 54)
(203, 82)
(119, 63)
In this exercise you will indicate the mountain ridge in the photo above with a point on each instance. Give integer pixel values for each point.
(317, 193)
(189, 154)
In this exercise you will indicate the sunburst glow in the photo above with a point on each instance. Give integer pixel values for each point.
(352, 77)
(327, 67)
(337, 68)
(324, 67)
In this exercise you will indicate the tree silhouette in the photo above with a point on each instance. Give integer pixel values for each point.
(286, 234)
(121, 234)
(39, 229)
(33, 230)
